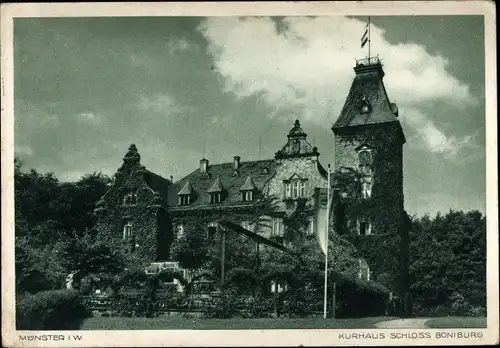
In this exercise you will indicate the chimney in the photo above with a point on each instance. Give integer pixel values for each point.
(236, 162)
(203, 165)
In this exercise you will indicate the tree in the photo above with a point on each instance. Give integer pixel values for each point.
(448, 261)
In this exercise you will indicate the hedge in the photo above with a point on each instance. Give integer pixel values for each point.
(50, 310)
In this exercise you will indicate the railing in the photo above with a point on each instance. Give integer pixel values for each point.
(368, 61)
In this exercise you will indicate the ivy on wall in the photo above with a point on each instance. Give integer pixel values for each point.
(384, 249)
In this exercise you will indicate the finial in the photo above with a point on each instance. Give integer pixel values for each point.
(297, 123)
(132, 155)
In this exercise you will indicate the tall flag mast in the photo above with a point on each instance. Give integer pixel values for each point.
(327, 223)
(366, 37)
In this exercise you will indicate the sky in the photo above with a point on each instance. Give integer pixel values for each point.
(183, 88)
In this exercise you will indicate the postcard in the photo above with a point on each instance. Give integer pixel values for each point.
(249, 174)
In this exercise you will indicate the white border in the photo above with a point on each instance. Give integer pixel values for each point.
(242, 337)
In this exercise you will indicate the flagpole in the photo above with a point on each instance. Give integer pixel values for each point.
(369, 40)
(326, 245)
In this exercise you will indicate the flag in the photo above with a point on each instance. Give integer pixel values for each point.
(321, 214)
(364, 38)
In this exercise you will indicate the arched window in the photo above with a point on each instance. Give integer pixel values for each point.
(365, 161)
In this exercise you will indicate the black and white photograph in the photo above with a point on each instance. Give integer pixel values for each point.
(294, 173)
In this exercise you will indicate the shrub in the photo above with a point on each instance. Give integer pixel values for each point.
(50, 310)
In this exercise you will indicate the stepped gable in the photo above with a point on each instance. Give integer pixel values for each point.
(367, 101)
(201, 183)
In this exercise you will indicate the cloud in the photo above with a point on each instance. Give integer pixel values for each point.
(157, 102)
(178, 45)
(303, 68)
(89, 118)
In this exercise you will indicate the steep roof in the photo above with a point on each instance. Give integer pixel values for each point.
(157, 183)
(367, 88)
(187, 189)
(249, 185)
(216, 187)
(231, 184)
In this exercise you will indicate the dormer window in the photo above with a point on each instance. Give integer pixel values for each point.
(247, 196)
(215, 191)
(215, 197)
(184, 199)
(247, 190)
(184, 195)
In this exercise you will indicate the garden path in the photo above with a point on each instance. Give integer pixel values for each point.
(409, 323)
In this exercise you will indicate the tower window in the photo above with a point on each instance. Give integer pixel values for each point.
(296, 146)
(366, 190)
(365, 161)
(215, 198)
(364, 228)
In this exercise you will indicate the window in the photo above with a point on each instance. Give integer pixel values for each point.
(295, 189)
(277, 286)
(365, 161)
(130, 199)
(310, 227)
(277, 227)
(212, 230)
(364, 270)
(296, 146)
(364, 228)
(215, 197)
(366, 190)
(127, 230)
(247, 225)
(179, 228)
(247, 196)
(184, 199)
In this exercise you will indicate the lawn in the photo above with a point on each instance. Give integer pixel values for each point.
(178, 323)
(456, 322)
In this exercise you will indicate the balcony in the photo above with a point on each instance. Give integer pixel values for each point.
(368, 61)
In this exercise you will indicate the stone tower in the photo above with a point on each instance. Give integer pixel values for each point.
(369, 143)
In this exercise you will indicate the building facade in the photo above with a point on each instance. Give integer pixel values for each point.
(148, 213)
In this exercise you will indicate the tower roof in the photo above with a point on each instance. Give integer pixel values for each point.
(367, 101)
(297, 145)
(296, 131)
